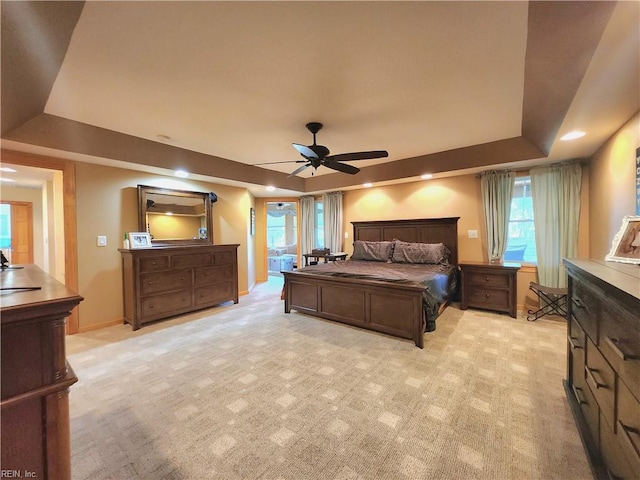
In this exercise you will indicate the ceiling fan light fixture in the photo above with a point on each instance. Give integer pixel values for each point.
(573, 135)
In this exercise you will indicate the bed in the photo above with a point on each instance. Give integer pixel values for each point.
(387, 300)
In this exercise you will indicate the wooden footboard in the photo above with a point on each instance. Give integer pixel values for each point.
(393, 309)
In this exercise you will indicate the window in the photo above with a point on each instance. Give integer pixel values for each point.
(521, 236)
(318, 234)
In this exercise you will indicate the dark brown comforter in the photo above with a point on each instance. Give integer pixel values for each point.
(440, 282)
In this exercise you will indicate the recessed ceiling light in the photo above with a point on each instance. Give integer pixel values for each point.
(270, 188)
(367, 185)
(181, 173)
(163, 138)
(426, 176)
(4, 179)
(7, 169)
(573, 135)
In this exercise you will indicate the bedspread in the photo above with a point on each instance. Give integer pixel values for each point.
(439, 281)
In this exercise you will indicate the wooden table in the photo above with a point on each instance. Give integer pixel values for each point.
(328, 257)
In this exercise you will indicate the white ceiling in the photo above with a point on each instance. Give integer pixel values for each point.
(239, 80)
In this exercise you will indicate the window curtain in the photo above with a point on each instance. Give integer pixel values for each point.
(556, 211)
(497, 190)
(332, 204)
(307, 224)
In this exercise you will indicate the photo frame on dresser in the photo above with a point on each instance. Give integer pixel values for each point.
(139, 240)
(625, 247)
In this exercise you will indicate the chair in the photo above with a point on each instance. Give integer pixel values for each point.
(318, 251)
(552, 301)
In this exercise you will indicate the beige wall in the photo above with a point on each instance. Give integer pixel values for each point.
(107, 205)
(612, 186)
(447, 197)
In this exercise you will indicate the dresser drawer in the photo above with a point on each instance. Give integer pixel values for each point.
(620, 343)
(193, 260)
(589, 409)
(602, 380)
(208, 275)
(161, 305)
(613, 446)
(490, 299)
(492, 280)
(152, 283)
(215, 293)
(224, 258)
(585, 304)
(154, 264)
(628, 426)
(577, 359)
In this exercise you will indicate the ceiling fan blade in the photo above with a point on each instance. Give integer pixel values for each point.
(346, 157)
(342, 167)
(298, 170)
(275, 163)
(305, 151)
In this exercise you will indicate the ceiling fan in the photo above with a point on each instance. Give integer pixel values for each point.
(318, 155)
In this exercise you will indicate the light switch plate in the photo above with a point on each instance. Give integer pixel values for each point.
(102, 240)
(473, 233)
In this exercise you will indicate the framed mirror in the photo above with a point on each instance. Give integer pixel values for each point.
(175, 216)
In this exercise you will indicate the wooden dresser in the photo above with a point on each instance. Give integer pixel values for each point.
(492, 286)
(160, 282)
(603, 367)
(35, 375)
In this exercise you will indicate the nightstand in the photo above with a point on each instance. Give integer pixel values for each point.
(491, 286)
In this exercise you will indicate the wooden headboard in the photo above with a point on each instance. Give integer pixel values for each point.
(424, 230)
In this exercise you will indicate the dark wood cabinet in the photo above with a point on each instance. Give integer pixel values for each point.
(35, 375)
(603, 367)
(161, 282)
(491, 286)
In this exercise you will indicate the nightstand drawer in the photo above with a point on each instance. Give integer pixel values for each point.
(490, 299)
(492, 280)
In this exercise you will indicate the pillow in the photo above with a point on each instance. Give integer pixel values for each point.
(372, 251)
(435, 253)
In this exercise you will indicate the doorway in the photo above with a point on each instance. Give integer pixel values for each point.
(281, 236)
(64, 219)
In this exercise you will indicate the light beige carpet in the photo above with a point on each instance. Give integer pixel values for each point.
(248, 392)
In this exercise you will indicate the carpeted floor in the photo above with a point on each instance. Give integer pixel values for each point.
(248, 392)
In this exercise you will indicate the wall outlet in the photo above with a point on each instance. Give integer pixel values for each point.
(102, 240)
(346, 234)
(473, 233)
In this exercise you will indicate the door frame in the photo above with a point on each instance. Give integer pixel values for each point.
(68, 169)
(12, 204)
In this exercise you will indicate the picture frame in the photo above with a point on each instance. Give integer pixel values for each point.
(625, 247)
(252, 221)
(139, 240)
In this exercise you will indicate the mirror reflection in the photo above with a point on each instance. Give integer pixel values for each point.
(175, 216)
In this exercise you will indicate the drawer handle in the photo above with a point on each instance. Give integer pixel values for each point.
(578, 302)
(578, 393)
(149, 282)
(613, 343)
(591, 373)
(574, 346)
(488, 279)
(486, 295)
(153, 263)
(151, 305)
(626, 434)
